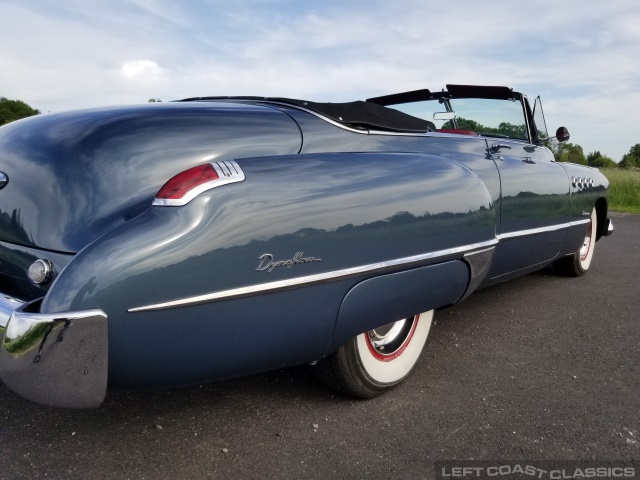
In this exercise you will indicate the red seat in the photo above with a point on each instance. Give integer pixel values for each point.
(457, 131)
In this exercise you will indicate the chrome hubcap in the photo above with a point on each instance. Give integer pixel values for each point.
(388, 339)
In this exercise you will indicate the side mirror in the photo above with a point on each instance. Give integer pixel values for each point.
(562, 134)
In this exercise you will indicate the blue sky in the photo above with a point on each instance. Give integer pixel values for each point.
(582, 57)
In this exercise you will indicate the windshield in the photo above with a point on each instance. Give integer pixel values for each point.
(488, 117)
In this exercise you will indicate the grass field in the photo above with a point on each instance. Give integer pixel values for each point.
(624, 195)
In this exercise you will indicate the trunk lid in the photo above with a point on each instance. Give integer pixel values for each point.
(73, 176)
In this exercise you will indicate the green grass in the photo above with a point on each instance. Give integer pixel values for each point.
(624, 194)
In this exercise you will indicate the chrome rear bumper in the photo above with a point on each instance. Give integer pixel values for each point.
(7, 306)
(56, 359)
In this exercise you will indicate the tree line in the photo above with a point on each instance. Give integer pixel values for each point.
(563, 152)
(570, 152)
(11, 110)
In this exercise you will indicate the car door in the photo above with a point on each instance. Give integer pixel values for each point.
(534, 205)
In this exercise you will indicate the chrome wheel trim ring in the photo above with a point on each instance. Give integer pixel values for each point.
(390, 338)
(389, 369)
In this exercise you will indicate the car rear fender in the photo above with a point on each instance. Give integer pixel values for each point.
(269, 260)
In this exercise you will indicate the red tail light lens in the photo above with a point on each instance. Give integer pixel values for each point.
(187, 185)
(184, 182)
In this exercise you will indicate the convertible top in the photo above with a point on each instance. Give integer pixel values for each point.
(452, 91)
(373, 113)
(358, 114)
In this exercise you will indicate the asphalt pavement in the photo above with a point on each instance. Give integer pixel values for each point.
(542, 367)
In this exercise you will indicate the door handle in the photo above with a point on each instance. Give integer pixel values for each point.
(496, 147)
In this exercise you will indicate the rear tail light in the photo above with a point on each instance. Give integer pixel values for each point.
(186, 181)
(185, 186)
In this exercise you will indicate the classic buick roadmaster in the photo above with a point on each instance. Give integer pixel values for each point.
(175, 243)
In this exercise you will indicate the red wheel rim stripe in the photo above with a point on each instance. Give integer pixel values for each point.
(397, 353)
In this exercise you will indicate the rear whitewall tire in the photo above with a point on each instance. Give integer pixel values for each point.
(386, 369)
(373, 362)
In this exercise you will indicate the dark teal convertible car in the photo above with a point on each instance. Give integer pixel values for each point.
(175, 243)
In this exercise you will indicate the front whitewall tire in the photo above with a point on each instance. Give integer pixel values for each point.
(578, 263)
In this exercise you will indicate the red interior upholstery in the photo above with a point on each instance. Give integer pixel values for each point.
(457, 131)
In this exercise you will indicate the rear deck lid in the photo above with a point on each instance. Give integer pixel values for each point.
(70, 177)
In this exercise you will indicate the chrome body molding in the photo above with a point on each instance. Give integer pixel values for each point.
(58, 359)
(310, 112)
(534, 231)
(380, 267)
(479, 264)
(362, 131)
(309, 280)
(228, 172)
(463, 138)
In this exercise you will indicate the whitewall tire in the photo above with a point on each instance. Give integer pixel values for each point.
(376, 361)
(577, 264)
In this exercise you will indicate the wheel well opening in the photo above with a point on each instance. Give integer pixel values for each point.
(601, 212)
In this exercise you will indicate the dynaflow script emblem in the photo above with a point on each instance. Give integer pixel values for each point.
(268, 263)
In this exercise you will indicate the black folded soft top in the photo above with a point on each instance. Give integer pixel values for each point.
(358, 114)
(374, 112)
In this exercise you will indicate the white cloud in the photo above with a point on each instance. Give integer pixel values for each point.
(141, 69)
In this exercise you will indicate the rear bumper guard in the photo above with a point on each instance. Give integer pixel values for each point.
(608, 228)
(57, 359)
